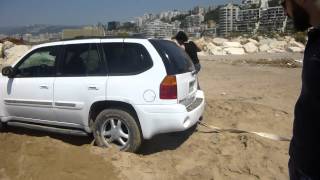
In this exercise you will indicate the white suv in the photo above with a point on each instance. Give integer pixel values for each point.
(122, 90)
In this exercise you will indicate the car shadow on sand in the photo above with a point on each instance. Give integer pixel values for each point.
(70, 139)
(161, 142)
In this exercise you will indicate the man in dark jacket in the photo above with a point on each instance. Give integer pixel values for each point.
(304, 150)
(190, 47)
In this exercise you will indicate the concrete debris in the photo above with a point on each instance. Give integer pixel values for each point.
(234, 51)
(295, 49)
(242, 45)
(232, 45)
(250, 47)
(219, 41)
(12, 54)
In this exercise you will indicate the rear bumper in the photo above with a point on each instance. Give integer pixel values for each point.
(156, 119)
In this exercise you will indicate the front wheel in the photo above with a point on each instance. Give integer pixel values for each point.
(117, 127)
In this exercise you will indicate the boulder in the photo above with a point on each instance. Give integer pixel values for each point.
(260, 38)
(266, 41)
(293, 43)
(201, 43)
(202, 53)
(295, 49)
(276, 50)
(253, 41)
(14, 53)
(214, 50)
(234, 51)
(250, 47)
(7, 45)
(264, 48)
(219, 41)
(274, 44)
(232, 45)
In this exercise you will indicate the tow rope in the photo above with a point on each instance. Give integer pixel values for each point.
(261, 134)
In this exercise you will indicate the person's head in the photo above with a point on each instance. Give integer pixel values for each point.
(305, 13)
(181, 37)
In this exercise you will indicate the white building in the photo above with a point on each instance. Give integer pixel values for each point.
(157, 29)
(194, 20)
(229, 16)
(251, 20)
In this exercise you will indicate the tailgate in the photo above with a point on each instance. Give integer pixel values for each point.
(186, 87)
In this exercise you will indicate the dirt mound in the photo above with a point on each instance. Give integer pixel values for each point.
(14, 41)
(27, 157)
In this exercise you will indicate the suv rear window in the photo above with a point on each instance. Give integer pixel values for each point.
(175, 59)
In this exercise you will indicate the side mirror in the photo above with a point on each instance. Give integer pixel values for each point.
(8, 71)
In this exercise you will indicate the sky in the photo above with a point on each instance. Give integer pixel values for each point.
(85, 12)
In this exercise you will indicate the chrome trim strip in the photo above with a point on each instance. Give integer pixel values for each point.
(30, 103)
(65, 104)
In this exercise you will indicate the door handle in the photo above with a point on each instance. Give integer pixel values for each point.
(44, 87)
(93, 88)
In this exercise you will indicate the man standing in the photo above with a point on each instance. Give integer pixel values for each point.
(304, 150)
(190, 47)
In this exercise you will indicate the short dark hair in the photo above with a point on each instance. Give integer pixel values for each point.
(181, 36)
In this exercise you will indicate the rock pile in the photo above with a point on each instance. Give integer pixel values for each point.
(240, 45)
(10, 53)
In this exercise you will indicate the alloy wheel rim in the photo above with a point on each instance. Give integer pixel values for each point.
(115, 132)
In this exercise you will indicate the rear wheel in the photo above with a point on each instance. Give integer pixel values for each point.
(115, 127)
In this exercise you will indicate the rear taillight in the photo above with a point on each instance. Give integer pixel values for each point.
(168, 88)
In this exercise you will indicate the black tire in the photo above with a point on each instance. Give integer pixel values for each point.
(127, 122)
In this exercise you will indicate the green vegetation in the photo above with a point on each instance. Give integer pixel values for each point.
(212, 15)
(180, 17)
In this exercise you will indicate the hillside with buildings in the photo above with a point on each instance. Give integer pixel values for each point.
(249, 18)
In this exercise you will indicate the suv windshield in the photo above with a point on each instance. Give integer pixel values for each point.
(175, 59)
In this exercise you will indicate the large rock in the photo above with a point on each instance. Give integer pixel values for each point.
(264, 48)
(250, 47)
(234, 51)
(202, 53)
(14, 53)
(289, 38)
(240, 39)
(293, 43)
(295, 49)
(274, 44)
(7, 45)
(260, 38)
(214, 50)
(201, 43)
(232, 45)
(266, 41)
(276, 50)
(253, 41)
(219, 41)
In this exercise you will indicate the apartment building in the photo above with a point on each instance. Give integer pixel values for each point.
(229, 16)
(157, 29)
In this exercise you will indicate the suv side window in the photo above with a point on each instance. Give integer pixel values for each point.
(126, 58)
(39, 63)
(81, 60)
